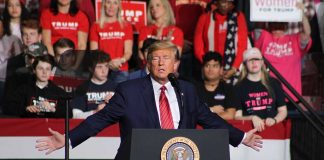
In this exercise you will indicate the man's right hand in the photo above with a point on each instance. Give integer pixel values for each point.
(52, 143)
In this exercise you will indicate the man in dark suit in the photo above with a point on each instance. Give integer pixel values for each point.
(136, 105)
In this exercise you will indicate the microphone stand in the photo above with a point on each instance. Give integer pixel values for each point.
(67, 128)
(175, 83)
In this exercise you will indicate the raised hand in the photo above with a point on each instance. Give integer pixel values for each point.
(252, 140)
(51, 143)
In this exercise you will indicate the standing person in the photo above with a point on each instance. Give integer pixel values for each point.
(87, 6)
(115, 37)
(261, 97)
(42, 98)
(214, 92)
(285, 51)
(14, 13)
(64, 19)
(10, 46)
(144, 71)
(94, 94)
(161, 25)
(222, 30)
(136, 104)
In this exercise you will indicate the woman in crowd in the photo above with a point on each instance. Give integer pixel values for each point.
(64, 19)
(10, 46)
(261, 97)
(14, 13)
(222, 30)
(161, 25)
(115, 37)
(285, 51)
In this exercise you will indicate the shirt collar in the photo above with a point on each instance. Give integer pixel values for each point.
(157, 86)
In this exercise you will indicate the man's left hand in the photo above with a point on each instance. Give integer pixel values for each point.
(252, 140)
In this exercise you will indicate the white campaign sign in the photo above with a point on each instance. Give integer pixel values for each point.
(275, 11)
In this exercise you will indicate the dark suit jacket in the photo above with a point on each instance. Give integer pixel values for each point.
(133, 106)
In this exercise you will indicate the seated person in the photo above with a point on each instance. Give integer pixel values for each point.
(95, 93)
(214, 92)
(21, 74)
(143, 72)
(41, 99)
(65, 57)
(65, 73)
(261, 97)
(31, 35)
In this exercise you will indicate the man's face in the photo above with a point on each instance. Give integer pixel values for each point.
(162, 63)
(30, 36)
(43, 71)
(224, 6)
(100, 72)
(63, 58)
(212, 70)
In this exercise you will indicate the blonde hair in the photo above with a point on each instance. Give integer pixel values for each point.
(103, 16)
(265, 80)
(170, 20)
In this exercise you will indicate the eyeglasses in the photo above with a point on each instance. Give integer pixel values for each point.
(254, 60)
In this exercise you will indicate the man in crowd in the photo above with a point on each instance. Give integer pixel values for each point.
(151, 102)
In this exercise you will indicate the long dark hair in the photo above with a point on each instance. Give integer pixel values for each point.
(73, 10)
(7, 19)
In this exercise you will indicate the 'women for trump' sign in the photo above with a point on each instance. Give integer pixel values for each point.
(275, 11)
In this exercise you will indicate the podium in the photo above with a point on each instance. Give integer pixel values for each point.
(180, 144)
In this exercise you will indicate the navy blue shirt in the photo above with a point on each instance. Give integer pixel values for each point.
(90, 95)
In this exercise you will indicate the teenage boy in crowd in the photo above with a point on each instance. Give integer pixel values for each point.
(214, 92)
(42, 98)
(94, 94)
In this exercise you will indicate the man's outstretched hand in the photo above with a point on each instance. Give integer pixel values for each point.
(252, 140)
(51, 143)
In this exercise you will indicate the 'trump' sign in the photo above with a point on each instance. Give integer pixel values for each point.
(275, 11)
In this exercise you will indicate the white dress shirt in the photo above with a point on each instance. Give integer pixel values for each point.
(172, 99)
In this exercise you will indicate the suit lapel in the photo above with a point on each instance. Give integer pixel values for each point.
(181, 108)
(148, 96)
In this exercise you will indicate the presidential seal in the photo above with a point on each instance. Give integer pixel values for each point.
(180, 148)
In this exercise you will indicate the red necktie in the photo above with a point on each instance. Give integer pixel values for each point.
(165, 112)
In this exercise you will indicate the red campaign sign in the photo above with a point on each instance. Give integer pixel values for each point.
(133, 12)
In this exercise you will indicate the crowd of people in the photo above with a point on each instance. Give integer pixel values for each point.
(66, 41)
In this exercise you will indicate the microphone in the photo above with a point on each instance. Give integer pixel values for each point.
(175, 84)
(174, 81)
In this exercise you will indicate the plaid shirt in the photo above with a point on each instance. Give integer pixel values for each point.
(296, 27)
